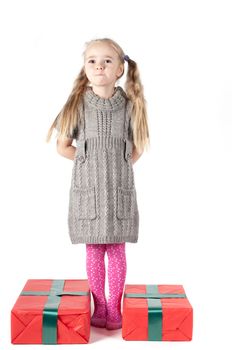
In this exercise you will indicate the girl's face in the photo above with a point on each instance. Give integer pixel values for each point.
(102, 65)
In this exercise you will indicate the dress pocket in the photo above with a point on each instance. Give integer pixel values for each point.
(85, 200)
(126, 203)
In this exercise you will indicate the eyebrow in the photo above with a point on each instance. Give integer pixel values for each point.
(88, 57)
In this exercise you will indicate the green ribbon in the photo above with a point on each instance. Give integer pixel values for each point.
(155, 315)
(50, 311)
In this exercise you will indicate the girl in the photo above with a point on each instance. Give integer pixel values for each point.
(111, 131)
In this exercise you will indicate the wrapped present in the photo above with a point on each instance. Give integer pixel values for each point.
(52, 312)
(156, 312)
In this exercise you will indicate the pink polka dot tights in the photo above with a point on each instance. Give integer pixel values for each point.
(106, 310)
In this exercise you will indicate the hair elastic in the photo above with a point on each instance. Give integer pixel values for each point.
(126, 58)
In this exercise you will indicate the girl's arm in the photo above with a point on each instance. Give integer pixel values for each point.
(135, 155)
(65, 148)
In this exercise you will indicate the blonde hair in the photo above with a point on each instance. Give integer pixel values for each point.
(67, 120)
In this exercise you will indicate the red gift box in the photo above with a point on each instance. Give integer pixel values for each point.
(156, 312)
(52, 312)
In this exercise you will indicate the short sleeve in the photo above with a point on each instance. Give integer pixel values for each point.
(72, 135)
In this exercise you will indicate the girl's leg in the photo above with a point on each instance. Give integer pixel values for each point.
(116, 277)
(95, 266)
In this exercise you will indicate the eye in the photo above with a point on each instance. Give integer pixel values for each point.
(91, 61)
(108, 61)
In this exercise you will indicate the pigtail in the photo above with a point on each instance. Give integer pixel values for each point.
(67, 120)
(134, 91)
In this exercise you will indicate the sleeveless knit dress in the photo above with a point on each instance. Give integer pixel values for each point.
(102, 200)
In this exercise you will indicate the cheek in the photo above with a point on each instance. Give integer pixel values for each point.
(88, 68)
(88, 72)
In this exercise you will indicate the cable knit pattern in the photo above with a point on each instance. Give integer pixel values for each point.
(103, 202)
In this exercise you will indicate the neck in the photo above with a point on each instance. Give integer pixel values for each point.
(104, 91)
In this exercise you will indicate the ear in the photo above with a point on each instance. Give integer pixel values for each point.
(120, 70)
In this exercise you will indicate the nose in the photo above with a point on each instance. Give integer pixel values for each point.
(99, 66)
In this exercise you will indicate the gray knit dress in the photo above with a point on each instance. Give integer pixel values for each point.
(102, 203)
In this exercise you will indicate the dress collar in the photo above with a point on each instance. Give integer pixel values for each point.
(115, 102)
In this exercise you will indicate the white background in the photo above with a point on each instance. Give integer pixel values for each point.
(183, 50)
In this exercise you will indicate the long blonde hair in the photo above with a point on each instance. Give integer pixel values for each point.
(67, 120)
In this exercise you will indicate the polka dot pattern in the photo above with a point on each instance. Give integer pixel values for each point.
(95, 266)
